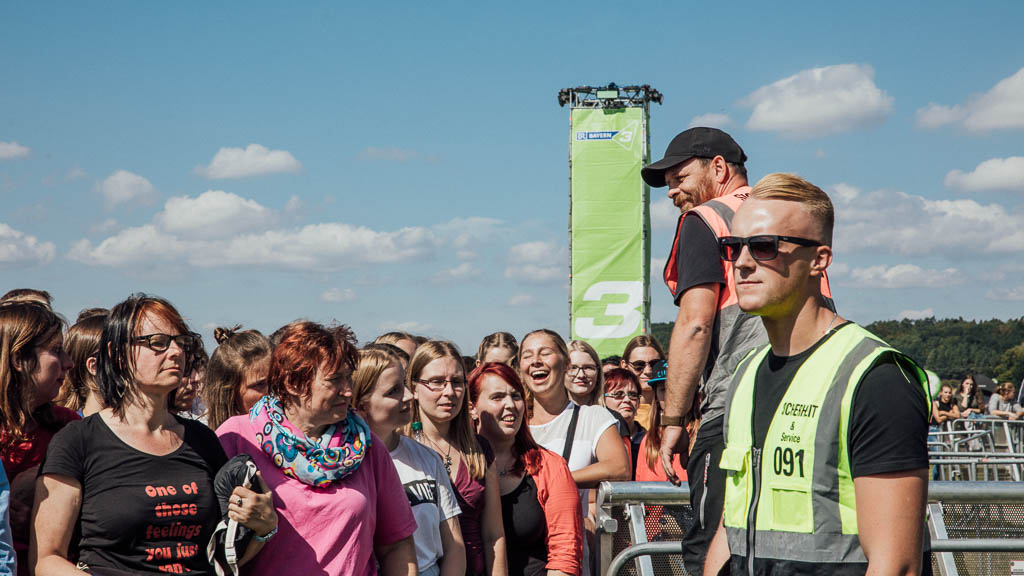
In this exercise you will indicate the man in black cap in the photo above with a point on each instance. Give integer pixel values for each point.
(706, 178)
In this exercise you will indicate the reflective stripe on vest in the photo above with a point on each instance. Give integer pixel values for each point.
(806, 510)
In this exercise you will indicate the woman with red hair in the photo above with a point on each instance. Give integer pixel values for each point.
(539, 499)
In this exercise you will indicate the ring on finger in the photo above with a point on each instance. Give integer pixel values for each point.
(239, 501)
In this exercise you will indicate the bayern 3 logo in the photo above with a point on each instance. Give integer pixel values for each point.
(606, 135)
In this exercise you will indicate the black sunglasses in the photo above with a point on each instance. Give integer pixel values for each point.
(762, 247)
(640, 365)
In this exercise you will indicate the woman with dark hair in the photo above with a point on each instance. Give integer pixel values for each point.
(441, 421)
(80, 391)
(380, 395)
(643, 356)
(622, 395)
(236, 376)
(341, 504)
(33, 367)
(539, 501)
(134, 480)
(969, 399)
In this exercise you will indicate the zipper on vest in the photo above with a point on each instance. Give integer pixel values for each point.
(755, 471)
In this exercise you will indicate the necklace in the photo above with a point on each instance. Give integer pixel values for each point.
(834, 316)
(447, 457)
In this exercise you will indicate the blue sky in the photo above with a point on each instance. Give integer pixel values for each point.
(404, 165)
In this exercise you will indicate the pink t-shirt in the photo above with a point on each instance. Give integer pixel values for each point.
(333, 530)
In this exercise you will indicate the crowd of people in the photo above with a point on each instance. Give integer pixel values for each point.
(803, 437)
(402, 456)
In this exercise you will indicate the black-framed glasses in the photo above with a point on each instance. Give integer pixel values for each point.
(639, 365)
(620, 395)
(575, 369)
(439, 384)
(160, 342)
(762, 247)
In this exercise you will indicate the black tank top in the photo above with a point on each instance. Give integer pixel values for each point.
(525, 530)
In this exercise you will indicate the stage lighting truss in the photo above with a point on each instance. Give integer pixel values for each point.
(610, 96)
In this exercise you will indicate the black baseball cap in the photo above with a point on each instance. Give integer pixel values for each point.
(660, 375)
(693, 143)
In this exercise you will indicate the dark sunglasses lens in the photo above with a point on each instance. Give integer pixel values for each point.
(656, 364)
(730, 248)
(763, 248)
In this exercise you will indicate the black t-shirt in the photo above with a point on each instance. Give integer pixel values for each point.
(888, 419)
(140, 513)
(697, 257)
(526, 530)
(943, 407)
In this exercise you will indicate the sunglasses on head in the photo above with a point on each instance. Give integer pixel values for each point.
(762, 247)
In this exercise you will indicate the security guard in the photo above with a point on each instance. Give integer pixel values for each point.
(826, 427)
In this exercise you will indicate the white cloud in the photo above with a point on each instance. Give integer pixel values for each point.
(75, 174)
(993, 174)
(123, 186)
(213, 214)
(537, 263)
(9, 150)
(1001, 108)
(468, 234)
(294, 204)
(712, 119)
(904, 276)
(219, 229)
(20, 249)
(915, 314)
(664, 215)
(819, 101)
(461, 273)
(521, 300)
(105, 227)
(253, 160)
(466, 255)
(886, 221)
(338, 295)
(412, 327)
(1013, 294)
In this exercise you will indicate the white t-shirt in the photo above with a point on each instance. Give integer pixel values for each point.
(430, 494)
(592, 422)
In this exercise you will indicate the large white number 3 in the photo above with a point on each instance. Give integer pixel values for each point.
(629, 310)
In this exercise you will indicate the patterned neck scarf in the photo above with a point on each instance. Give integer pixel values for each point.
(312, 462)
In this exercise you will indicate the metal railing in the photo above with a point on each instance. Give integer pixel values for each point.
(974, 527)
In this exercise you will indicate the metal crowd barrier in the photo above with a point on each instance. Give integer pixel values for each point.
(978, 449)
(975, 528)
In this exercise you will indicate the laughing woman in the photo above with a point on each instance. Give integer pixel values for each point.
(585, 436)
(380, 395)
(341, 503)
(441, 408)
(539, 501)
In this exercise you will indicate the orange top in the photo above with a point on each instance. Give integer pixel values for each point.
(644, 473)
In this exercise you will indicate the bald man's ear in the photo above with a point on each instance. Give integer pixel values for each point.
(822, 260)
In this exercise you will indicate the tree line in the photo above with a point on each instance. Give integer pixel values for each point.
(951, 347)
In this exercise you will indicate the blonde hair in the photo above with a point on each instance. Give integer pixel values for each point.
(371, 364)
(461, 433)
(792, 188)
(596, 395)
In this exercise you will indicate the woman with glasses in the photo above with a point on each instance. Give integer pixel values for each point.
(381, 397)
(441, 421)
(583, 378)
(34, 365)
(539, 501)
(622, 395)
(643, 356)
(134, 481)
(586, 437)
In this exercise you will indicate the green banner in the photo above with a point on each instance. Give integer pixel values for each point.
(609, 222)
